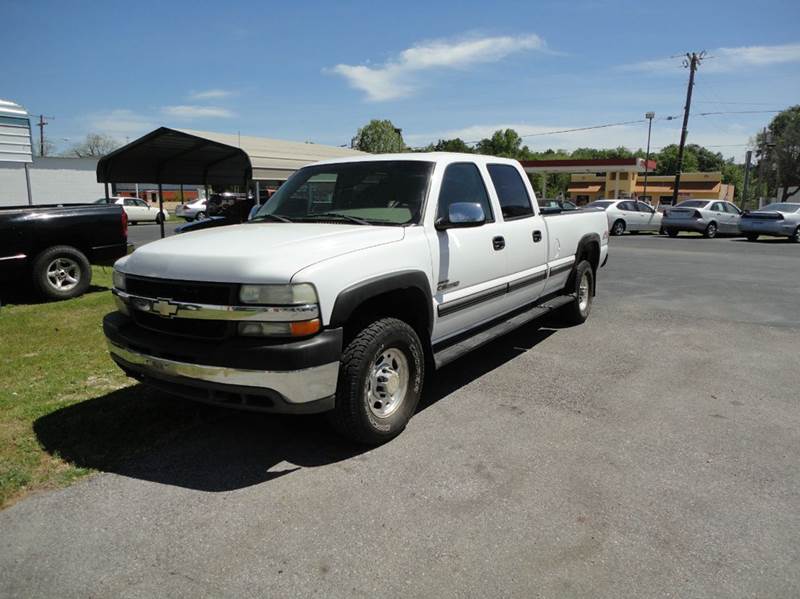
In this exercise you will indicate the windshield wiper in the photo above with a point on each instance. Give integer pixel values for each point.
(347, 217)
(277, 217)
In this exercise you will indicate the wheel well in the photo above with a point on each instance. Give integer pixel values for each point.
(407, 304)
(588, 249)
(620, 220)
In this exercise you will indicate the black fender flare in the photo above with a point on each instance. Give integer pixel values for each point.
(585, 241)
(351, 297)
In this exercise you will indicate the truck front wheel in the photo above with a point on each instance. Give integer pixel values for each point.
(61, 272)
(380, 382)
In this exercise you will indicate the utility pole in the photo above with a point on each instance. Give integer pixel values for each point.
(42, 123)
(649, 116)
(747, 158)
(692, 61)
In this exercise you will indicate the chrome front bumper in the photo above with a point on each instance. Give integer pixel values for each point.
(295, 387)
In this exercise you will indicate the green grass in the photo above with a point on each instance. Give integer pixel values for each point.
(66, 410)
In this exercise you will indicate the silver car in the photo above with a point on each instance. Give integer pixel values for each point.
(781, 219)
(192, 210)
(628, 215)
(709, 217)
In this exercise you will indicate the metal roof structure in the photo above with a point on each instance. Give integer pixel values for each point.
(200, 157)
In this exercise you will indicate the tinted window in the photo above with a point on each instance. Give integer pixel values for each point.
(626, 206)
(644, 207)
(717, 207)
(731, 208)
(514, 199)
(692, 204)
(462, 182)
(128, 202)
(141, 203)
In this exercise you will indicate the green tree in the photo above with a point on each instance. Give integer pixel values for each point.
(379, 137)
(505, 143)
(781, 153)
(667, 161)
(450, 145)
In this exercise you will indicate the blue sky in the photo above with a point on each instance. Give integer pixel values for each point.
(316, 71)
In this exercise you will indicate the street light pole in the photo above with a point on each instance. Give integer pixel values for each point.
(649, 116)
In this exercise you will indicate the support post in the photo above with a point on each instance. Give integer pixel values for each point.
(544, 185)
(161, 208)
(258, 193)
(106, 187)
(28, 183)
(649, 116)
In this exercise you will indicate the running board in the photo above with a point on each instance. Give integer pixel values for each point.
(485, 335)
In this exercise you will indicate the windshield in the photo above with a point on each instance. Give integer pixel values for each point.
(781, 207)
(387, 192)
(601, 205)
(692, 204)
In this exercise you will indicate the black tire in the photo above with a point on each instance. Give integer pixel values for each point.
(796, 237)
(355, 416)
(752, 236)
(578, 311)
(672, 233)
(200, 216)
(54, 268)
(618, 228)
(711, 231)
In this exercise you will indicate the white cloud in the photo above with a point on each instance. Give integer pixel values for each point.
(396, 78)
(120, 123)
(725, 59)
(212, 94)
(188, 111)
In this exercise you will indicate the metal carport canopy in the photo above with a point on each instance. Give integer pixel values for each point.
(201, 157)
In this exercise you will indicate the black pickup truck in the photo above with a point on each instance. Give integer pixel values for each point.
(52, 246)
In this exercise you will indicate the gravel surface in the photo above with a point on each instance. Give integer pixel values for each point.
(651, 452)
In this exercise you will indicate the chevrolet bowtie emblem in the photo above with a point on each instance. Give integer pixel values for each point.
(164, 308)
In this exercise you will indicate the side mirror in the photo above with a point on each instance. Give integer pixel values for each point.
(461, 215)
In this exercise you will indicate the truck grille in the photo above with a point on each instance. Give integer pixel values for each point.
(183, 327)
(223, 294)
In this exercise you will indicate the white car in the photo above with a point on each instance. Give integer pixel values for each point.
(628, 215)
(192, 211)
(137, 210)
(404, 263)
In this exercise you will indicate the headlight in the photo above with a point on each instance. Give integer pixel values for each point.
(278, 295)
(119, 280)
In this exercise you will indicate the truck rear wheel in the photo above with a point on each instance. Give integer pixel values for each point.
(578, 311)
(380, 382)
(61, 272)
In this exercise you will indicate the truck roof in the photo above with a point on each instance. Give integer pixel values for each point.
(425, 157)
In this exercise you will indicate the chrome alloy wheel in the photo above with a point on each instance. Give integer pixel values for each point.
(388, 382)
(584, 291)
(63, 274)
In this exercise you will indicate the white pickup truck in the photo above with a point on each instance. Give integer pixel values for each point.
(356, 279)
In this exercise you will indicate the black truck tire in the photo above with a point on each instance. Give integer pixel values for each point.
(578, 311)
(61, 272)
(380, 382)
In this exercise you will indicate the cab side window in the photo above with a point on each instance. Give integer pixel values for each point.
(462, 182)
(514, 199)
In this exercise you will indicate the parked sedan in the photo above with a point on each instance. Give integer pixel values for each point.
(192, 211)
(137, 209)
(781, 219)
(708, 217)
(628, 215)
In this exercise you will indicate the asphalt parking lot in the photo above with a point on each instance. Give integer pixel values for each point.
(651, 452)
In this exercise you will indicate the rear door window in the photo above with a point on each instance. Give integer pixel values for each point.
(511, 191)
(717, 207)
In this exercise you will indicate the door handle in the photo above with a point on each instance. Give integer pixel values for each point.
(537, 236)
(498, 242)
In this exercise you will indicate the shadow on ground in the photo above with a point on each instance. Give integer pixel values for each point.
(141, 433)
(16, 294)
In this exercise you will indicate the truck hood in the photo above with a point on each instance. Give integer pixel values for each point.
(252, 252)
